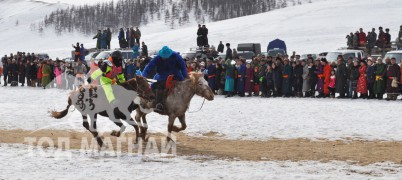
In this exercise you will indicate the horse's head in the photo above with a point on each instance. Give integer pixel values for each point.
(141, 86)
(201, 86)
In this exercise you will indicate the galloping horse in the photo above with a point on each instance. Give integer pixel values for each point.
(177, 102)
(91, 100)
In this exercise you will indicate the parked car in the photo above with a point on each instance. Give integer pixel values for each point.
(305, 56)
(253, 47)
(276, 51)
(322, 55)
(91, 55)
(127, 55)
(333, 56)
(42, 56)
(394, 54)
(189, 55)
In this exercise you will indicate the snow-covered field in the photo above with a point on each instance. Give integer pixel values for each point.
(20, 162)
(309, 28)
(233, 118)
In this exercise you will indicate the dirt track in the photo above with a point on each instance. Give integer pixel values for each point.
(362, 152)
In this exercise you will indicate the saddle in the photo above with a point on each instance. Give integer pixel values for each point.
(170, 84)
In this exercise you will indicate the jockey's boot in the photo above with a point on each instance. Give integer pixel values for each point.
(159, 99)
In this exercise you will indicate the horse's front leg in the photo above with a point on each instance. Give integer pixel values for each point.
(170, 128)
(182, 120)
(138, 120)
(144, 126)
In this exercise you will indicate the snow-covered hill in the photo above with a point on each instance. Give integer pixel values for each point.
(310, 28)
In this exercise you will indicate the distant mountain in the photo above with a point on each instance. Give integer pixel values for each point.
(87, 19)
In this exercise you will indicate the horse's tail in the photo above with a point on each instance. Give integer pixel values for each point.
(59, 115)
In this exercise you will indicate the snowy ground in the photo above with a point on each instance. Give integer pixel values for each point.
(234, 118)
(21, 162)
(309, 28)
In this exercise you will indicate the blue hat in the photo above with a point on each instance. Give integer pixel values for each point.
(165, 52)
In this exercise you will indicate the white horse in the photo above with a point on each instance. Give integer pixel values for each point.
(91, 100)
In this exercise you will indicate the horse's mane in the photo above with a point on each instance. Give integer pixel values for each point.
(129, 84)
(195, 77)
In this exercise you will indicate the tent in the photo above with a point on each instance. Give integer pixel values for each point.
(277, 43)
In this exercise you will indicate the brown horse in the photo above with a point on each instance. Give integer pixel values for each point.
(177, 103)
(91, 100)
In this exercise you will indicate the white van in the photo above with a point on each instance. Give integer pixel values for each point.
(332, 56)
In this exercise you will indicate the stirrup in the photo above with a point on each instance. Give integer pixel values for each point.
(159, 108)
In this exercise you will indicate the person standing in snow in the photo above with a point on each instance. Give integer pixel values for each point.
(77, 52)
(379, 84)
(400, 38)
(393, 74)
(122, 39)
(205, 36)
(33, 71)
(144, 48)
(135, 49)
(306, 79)
(332, 84)
(286, 79)
(104, 40)
(199, 36)
(327, 75)
(341, 78)
(241, 77)
(356, 40)
(354, 78)
(371, 40)
(21, 73)
(221, 47)
(320, 79)
(230, 76)
(82, 53)
(362, 81)
(210, 72)
(108, 38)
(362, 38)
(128, 37)
(381, 38)
(370, 78)
(98, 38)
(387, 38)
(313, 77)
(46, 70)
(137, 34)
(229, 54)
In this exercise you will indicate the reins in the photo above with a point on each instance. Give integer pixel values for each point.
(202, 105)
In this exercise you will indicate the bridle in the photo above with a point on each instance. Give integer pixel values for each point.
(141, 92)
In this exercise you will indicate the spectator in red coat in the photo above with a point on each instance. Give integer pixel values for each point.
(362, 38)
(249, 79)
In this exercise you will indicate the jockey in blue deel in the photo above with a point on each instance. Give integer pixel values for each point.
(167, 63)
